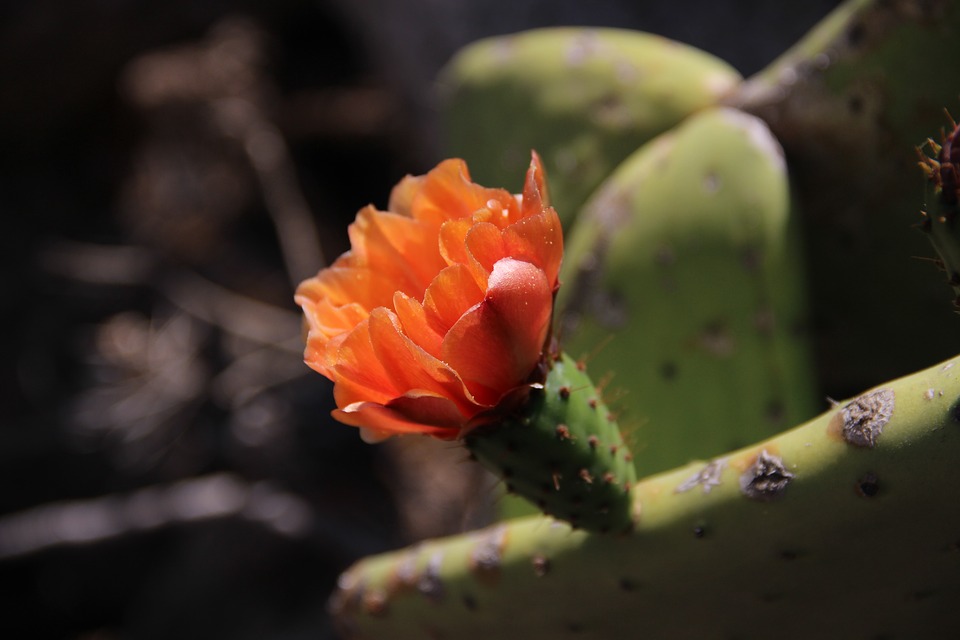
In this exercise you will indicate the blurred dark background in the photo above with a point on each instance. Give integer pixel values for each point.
(168, 172)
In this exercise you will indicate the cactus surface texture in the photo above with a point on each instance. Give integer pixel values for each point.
(683, 279)
(584, 98)
(844, 527)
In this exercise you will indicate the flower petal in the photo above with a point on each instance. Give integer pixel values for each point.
(495, 346)
(445, 193)
(326, 328)
(485, 243)
(325, 320)
(414, 323)
(404, 415)
(452, 241)
(359, 374)
(386, 243)
(341, 285)
(412, 369)
(451, 294)
(535, 197)
(538, 240)
(403, 194)
(455, 249)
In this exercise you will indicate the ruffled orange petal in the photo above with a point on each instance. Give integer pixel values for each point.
(397, 248)
(327, 327)
(412, 369)
(503, 208)
(452, 241)
(404, 415)
(455, 249)
(535, 196)
(452, 293)
(325, 320)
(343, 285)
(539, 240)
(414, 322)
(403, 194)
(446, 193)
(495, 346)
(358, 372)
(485, 244)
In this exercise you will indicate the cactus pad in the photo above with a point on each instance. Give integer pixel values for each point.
(802, 535)
(683, 279)
(584, 98)
(563, 452)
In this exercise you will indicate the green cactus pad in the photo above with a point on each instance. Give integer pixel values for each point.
(683, 280)
(583, 98)
(849, 103)
(809, 534)
(563, 452)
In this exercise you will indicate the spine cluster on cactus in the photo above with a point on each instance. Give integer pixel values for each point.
(940, 224)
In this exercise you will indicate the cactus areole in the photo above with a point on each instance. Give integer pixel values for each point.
(438, 322)
(940, 224)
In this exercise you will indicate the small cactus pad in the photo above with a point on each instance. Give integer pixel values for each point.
(563, 452)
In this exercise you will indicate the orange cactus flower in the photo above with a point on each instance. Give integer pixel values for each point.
(440, 312)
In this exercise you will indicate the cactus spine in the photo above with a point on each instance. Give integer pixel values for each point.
(747, 545)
